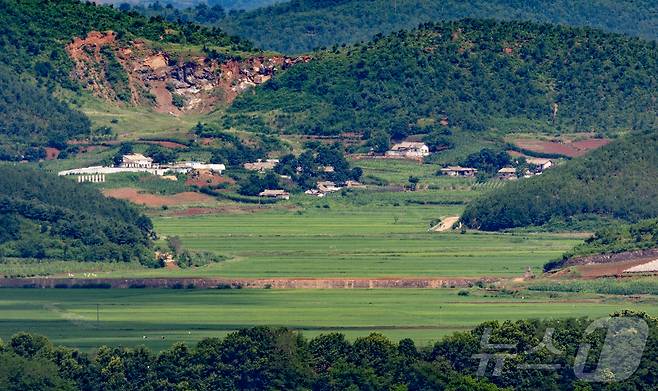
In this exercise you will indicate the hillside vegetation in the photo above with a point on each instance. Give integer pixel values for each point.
(46, 218)
(176, 4)
(474, 74)
(618, 180)
(34, 34)
(30, 117)
(302, 25)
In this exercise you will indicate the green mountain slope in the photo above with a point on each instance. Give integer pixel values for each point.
(618, 180)
(475, 74)
(34, 34)
(225, 4)
(302, 25)
(46, 217)
(30, 118)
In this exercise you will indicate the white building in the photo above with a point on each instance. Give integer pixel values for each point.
(409, 149)
(136, 160)
(541, 163)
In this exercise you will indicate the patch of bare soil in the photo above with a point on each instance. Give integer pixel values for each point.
(51, 153)
(155, 76)
(221, 210)
(607, 269)
(446, 224)
(155, 201)
(207, 178)
(560, 147)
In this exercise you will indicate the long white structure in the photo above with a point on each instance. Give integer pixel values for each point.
(183, 167)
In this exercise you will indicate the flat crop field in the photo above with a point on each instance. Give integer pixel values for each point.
(355, 236)
(159, 317)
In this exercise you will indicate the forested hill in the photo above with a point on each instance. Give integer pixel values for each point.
(34, 34)
(45, 217)
(476, 74)
(617, 181)
(30, 117)
(302, 25)
(177, 4)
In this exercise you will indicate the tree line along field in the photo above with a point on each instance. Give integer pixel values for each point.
(158, 318)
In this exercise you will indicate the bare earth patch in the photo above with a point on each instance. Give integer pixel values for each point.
(446, 224)
(564, 147)
(154, 201)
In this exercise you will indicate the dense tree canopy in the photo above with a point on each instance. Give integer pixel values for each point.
(279, 359)
(302, 25)
(31, 118)
(618, 180)
(46, 217)
(474, 74)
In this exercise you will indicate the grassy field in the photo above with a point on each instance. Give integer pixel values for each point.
(359, 235)
(127, 316)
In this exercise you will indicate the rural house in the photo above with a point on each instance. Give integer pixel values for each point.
(459, 171)
(541, 164)
(281, 194)
(507, 173)
(136, 160)
(327, 187)
(261, 166)
(408, 149)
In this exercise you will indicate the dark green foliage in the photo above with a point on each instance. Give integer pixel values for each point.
(302, 25)
(618, 180)
(46, 217)
(264, 358)
(253, 184)
(487, 161)
(161, 155)
(178, 100)
(460, 71)
(308, 168)
(31, 118)
(115, 75)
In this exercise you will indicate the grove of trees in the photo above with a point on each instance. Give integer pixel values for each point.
(49, 218)
(265, 358)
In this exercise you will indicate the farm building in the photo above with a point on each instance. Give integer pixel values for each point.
(281, 194)
(186, 167)
(409, 149)
(506, 173)
(328, 187)
(459, 171)
(136, 160)
(350, 184)
(541, 163)
(261, 166)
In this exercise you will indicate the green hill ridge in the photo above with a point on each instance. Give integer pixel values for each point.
(477, 75)
(44, 217)
(302, 25)
(617, 181)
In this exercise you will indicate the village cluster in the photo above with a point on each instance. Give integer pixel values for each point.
(506, 173)
(139, 163)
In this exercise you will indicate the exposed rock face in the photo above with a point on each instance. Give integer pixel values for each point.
(169, 83)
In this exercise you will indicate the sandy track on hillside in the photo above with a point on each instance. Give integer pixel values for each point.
(445, 224)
